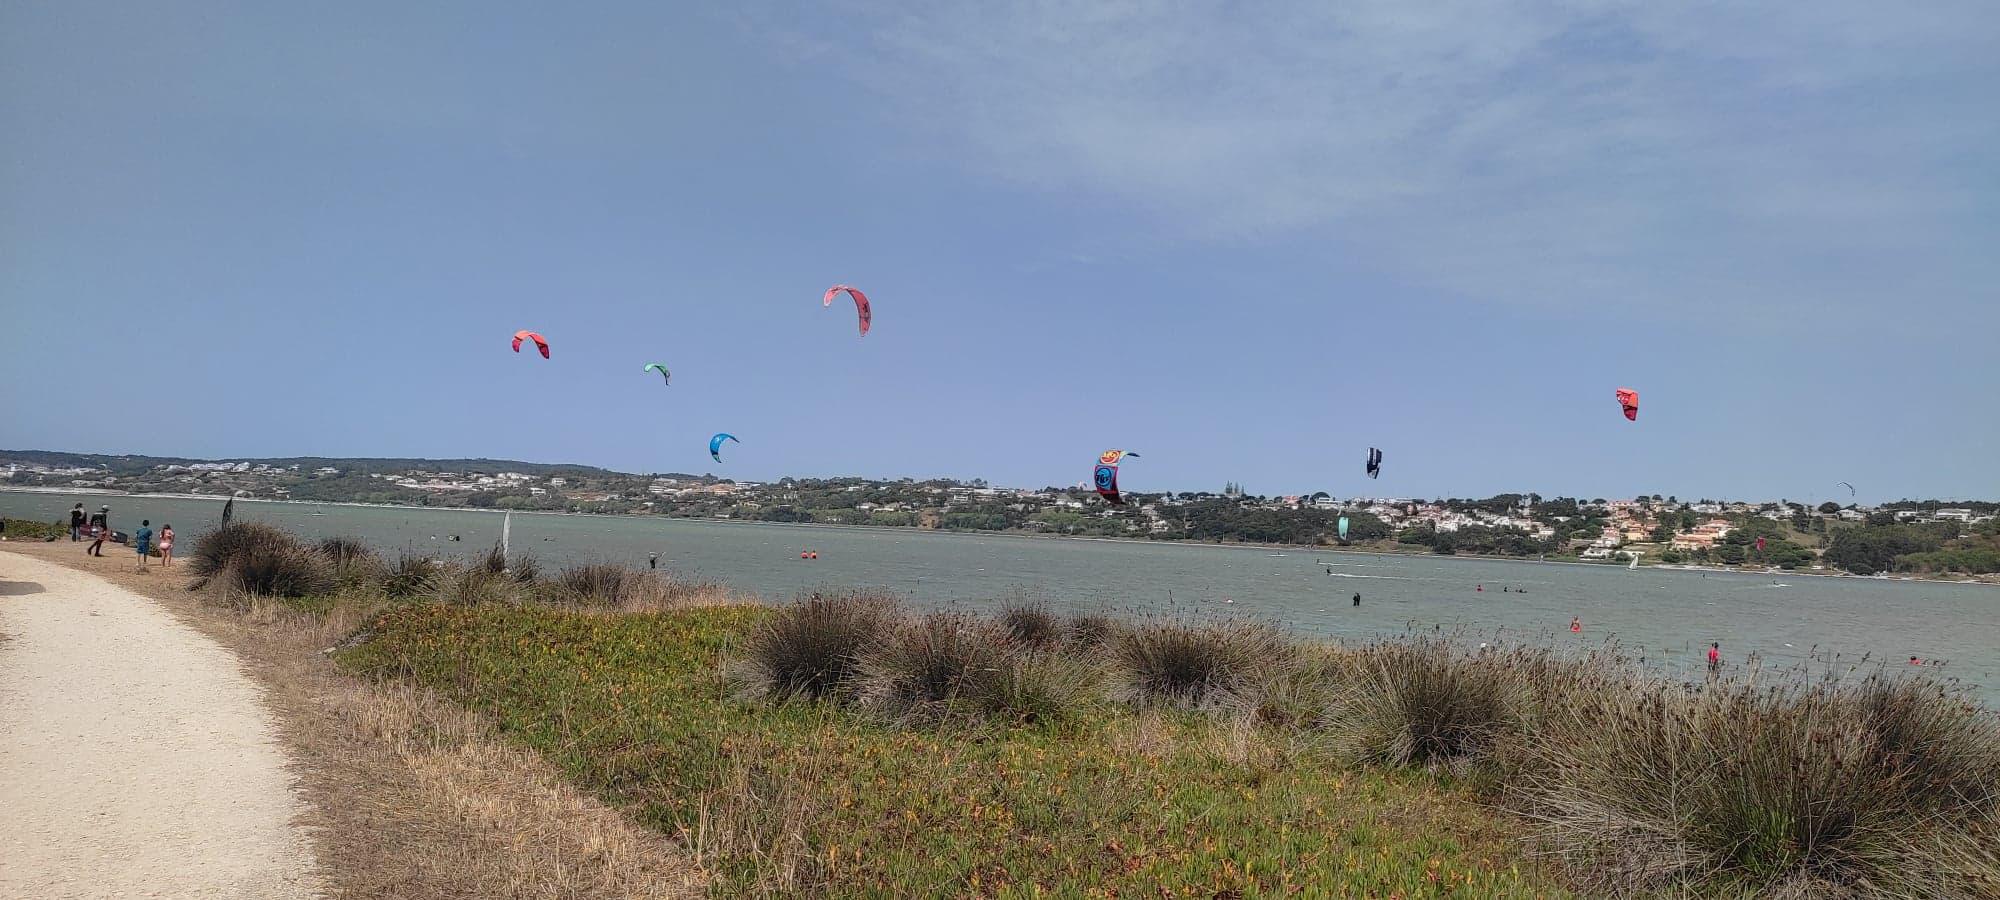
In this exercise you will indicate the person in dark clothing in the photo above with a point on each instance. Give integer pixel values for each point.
(77, 519)
(1357, 598)
(652, 560)
(100, 528)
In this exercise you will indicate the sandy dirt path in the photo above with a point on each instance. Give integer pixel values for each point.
(136, 757)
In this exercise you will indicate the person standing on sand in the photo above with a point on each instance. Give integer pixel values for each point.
(77, 519)
(100, 528)
(142, 541)
(167, 546)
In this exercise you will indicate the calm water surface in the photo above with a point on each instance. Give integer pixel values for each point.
(1670, 616)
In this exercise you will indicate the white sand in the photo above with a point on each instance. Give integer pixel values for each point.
(136, 757)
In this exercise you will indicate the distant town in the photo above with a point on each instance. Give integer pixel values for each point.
(1928, 537)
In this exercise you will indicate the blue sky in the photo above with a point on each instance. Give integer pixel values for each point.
(1248, 242)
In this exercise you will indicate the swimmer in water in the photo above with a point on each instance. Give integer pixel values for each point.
(1576, 625)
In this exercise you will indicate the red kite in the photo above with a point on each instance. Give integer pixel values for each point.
(541, 343)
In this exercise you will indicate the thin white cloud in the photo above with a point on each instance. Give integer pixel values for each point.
(1693, 157)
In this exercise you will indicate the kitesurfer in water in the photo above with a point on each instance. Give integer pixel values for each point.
(1576, 625)
(1357, 598)
(652, 560)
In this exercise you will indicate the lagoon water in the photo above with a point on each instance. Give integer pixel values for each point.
(1668, 615)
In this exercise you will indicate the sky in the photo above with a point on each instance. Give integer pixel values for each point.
(1248, 241)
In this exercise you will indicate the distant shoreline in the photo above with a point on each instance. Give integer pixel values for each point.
(1288, 548)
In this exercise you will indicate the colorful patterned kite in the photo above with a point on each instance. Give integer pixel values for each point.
(1106, 476)
(1629, 399)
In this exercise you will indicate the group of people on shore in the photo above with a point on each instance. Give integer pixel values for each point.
(97, 528)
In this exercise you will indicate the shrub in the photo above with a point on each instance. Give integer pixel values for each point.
(1031, 625)
(410, 576)
(31, 530)
(599, 584)
(1422, 702)
(809, 649)
(1185, 663)
(1879, 788)
(920, 669)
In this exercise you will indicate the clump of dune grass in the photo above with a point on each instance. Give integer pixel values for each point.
(809, 649)
(410, 576)
(216, 550)
(288, 569)
(342, 549)
(1422, 701)
(1294, 690)
(1038, 687)
(472, 586)
(525, 568)
(1031, 624)
(1090, 631)
(594, 584)
(355, 564)
(655, 591)
(1879, 787)
(1185, 663)
(921, 669)
(493, 561)
(254, 559)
